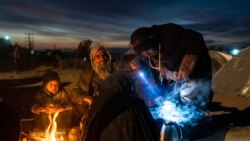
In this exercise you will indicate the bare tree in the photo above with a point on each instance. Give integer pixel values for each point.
(83, 49)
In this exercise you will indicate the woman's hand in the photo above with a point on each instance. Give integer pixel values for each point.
(186, 66)
(134, 64)
(169, 75)
(88, 100)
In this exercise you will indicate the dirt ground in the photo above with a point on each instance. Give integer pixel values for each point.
(230, 120)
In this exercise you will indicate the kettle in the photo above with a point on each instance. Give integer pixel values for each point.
(171, 132)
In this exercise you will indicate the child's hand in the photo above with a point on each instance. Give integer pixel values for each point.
(44, 110)
(50, 109)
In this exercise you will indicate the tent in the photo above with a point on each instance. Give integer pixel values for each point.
(234, 76)
(244, 53)
(218, 59)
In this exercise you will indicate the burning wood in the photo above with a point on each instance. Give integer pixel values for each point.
(51, 133)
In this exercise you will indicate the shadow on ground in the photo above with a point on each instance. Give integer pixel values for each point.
(220, 123)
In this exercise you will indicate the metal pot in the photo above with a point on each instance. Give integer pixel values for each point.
(171, 132)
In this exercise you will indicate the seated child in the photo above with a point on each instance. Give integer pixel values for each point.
(49, 99)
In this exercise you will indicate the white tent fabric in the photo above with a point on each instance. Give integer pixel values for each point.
(218, 59)
(234, 76)
(244, 53)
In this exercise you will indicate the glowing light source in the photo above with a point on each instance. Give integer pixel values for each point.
(51, 130)
(51, 133)
(178, 108)
(148, 82)
(172, 111)
(141, 74)
(235, 51)
(7, 37)
(32, 52)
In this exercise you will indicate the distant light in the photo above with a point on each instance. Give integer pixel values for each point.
(7, 37)
(32, 52)
(235, 51)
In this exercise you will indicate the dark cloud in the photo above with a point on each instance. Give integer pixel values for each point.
(114, 20)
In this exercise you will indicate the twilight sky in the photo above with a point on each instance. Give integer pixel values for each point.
(64, 23)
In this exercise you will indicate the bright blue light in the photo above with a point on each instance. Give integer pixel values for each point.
(235, 51)
(173, 111)
(150, 88)
(141, 74)
(178, 110)
(7, 37)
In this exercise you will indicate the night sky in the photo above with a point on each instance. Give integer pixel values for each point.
(64, 23)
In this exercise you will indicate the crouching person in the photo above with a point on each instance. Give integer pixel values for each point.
(51, 100)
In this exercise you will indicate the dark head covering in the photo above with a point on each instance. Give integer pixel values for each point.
(142, 39)
(51, 75)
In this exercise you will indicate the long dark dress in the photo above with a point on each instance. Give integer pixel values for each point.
(118, 115)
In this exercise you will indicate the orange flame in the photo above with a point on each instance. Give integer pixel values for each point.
(50, 132)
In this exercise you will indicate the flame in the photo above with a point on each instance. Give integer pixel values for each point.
(54, 127)
(50, 132)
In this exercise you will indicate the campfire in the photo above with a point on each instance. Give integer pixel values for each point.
(50, 134)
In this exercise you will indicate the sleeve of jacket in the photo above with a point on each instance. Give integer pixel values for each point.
(118, 82)
(37, 103)
(194, 46)
(65, 100)
(196, 59)
(193, 42)
(82, 88)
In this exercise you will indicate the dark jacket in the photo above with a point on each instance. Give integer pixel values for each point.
(87, 85)
(83, 87)
(60, 99)
(175, 42)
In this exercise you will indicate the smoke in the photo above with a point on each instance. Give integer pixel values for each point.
(185, 104)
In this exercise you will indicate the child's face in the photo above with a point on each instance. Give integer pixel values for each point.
(52, 86)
